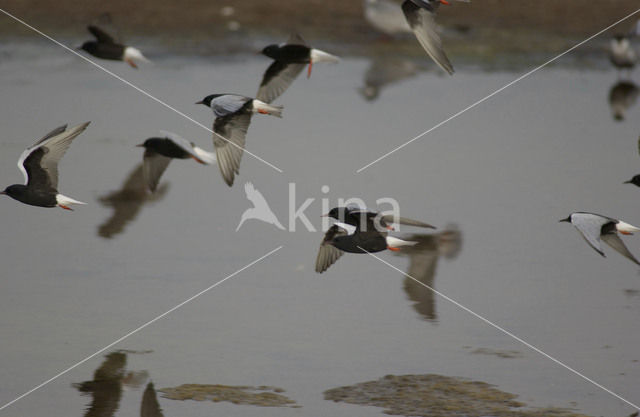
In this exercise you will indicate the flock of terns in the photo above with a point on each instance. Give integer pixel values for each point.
(357, 230)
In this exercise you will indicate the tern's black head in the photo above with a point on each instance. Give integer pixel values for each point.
(165, 147)
(15, 190)
(338, 213)
(34, 197)
(148, 143)
(346, 215)
(619, 37)
(207, 100)
(568, 220)
(271, 51)
(635, 180)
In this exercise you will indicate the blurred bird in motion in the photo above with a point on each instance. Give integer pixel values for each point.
(106, 47)
(159, 151)
(360, 231)
(386, 16)
(290, 58)
(420, 15)
(423, 260)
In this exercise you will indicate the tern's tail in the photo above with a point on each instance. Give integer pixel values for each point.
(394, 242)
(65, 201)
(206, 157)
(626, 228)
(131, 53)
(322, 56)
(264, 108)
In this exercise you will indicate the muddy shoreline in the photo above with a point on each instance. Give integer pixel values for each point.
(479, 27)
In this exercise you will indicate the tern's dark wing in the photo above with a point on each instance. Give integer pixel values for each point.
(154, 166)
(360, 217)
(328, 254)
(229, 152)
(356, 215)
(389, 219)
(423, 24)
(39, 163)
(277, 78)
(100, 34)
(296, 39)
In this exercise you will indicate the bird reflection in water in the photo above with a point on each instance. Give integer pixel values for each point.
(422, 266)
(386, 16)
(622, 53)
(150, 406)
(386, 70)
(108, 383)
(127, 202)
(622, 96)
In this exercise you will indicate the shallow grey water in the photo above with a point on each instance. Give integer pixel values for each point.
(505, 173)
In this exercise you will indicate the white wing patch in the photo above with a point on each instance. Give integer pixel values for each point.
(347, 227)
(24, 156)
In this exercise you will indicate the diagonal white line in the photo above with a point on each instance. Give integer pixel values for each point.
(503, 330)
(482, 100)
(132, 332)
(157, 100)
